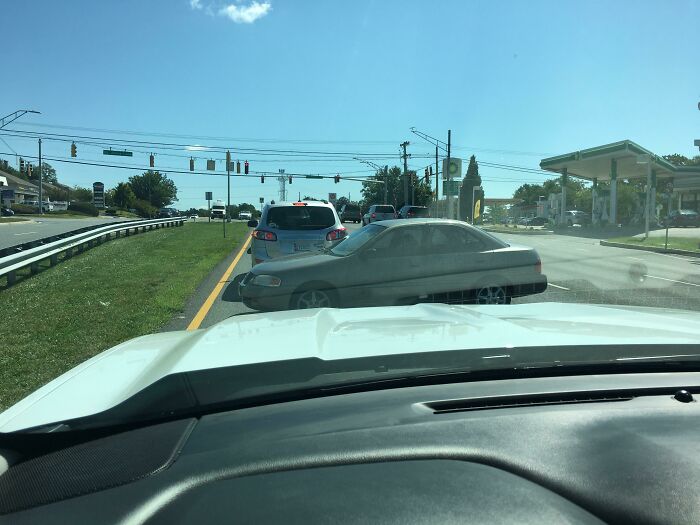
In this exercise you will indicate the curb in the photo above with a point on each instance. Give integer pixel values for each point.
(521, 232)
(654, 249)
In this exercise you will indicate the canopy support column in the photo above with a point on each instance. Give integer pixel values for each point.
(564, 179)
(613, 192)
(594, 219)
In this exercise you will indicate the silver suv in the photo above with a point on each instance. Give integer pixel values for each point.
(379, 212)
(291, 227)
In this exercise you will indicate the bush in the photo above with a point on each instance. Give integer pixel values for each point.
(83, 207)
(145, 209)
(23, 208)
(111, 211)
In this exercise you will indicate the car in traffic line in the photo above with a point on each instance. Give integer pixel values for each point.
(350, 212)
(682, 218)
(413, 212)
(291, 227)
(245, 215)
(399, 262)
(378, 212)
(576, 218)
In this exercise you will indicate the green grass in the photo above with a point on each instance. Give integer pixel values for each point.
(13, 219)
(122, 289)
(676, 243)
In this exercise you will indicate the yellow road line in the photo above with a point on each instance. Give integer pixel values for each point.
(204, 310)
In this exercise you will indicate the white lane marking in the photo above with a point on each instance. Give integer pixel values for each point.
(673, 256)
(557, 286)
(24, 233)
(635, 258)
(671, 280)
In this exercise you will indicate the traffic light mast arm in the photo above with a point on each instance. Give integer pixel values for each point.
(435, 142)
(369, 163)
(7, 119)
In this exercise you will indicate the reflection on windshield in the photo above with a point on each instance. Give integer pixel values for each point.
(357, 240)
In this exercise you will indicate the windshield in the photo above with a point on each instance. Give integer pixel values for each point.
(352, 178)
(357, 240)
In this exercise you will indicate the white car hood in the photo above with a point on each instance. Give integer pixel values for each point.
(116, 374)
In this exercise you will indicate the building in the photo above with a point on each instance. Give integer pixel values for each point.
(14, 190)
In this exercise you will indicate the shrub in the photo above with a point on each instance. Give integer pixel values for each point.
(83, 207)
(111, 211)
(23, 208)
(145, 209)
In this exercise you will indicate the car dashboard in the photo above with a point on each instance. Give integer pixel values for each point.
(619, 448)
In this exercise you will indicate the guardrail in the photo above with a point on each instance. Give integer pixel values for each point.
(10, 264)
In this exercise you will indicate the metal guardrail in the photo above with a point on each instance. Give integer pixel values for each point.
(31, 257)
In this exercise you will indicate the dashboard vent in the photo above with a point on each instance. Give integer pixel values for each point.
(513, 401)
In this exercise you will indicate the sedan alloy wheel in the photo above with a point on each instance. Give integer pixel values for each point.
(491, 295)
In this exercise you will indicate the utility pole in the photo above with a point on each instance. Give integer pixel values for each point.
(437, 176)
(41, 184)
(405, 172)
(228, 190)
(449, 176)
(283, 181)
(386, 183)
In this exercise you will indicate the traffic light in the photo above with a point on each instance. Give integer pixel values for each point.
(427, 176)
(229, 167)
(290, 179)
(337, 179)
(21, 165)
(262, 179)
(151, 160)
(191, 164)
(73, 150)
(29, 170)
(245, 167)
(238, 166)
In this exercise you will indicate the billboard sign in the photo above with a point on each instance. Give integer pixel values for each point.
(98, 194)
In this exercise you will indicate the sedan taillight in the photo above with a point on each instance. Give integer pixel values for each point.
(374, 215)
(336, 235)
(263, 235)
(538, 266)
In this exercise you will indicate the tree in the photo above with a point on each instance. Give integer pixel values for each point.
(124, 196)
(373, 192)
(80, 194)
(154, 187)
(341, 202)
(498, 212)
(682, 160)
(466, 194)
(47, 171)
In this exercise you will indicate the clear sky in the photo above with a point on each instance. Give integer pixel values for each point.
(515, 81)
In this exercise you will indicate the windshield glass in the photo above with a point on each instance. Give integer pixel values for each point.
(351, 178)
(300, 218)
(357, 240)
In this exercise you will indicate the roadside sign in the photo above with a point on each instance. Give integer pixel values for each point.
(207, 196)
(450, 187)
(7, 195)
(314, 177)
(332, 197)
(453, 170)
(98, 194)
(122, 153)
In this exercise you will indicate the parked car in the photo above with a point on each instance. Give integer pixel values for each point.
(413, 212)
(287, 228)
(522, 221)
(378, 212)
(537, 221)
(398, 262)
(682, 218)
(7, 212)
(350, 212)
(576, 217)
(245, 215)
(166, 213)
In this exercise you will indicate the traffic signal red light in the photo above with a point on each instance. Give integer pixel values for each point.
(151, 160)
(238, 166)
(337, 179)
(245, 166)
(262, 179)
(73, 150)
(191, 164)
(427, 176)
(290, 179)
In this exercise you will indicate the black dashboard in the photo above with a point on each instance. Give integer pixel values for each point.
(579, 449)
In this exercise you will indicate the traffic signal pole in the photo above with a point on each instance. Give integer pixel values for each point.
(386, 183)
(405, 172)
(41, 184)
(437, 172)
(449, 176)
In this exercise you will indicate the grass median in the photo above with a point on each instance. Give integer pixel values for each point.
(122, 289)
(674, 243)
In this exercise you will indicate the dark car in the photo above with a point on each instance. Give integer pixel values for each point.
(682, 218)
(398, 262)
(537, 221)
(167, 213)
(7, 212)
(413, 212)
(350, 212)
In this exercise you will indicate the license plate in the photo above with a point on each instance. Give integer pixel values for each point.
(302, 246)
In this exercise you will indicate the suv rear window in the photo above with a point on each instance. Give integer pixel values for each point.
(384, 209)
(418, 211)
(349, 207)
(300, 218)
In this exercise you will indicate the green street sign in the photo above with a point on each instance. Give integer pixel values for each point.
(450, 187)
(123, 153)
(314, 177)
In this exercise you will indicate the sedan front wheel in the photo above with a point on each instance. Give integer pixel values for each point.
(313, 299)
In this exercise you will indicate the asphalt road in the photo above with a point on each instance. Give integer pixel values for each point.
(578, 270)
(13, 233)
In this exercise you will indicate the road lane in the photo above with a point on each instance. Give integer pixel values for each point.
(12, 233)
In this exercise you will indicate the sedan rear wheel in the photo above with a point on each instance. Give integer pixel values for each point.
(313, 299)
(492, 295)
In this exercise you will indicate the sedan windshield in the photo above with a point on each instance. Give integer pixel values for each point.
(357, 240)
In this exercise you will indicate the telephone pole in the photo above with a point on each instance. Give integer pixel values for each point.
(386, 183)
(449, 176)
(437, 176)
(41, 184)
(405, 171)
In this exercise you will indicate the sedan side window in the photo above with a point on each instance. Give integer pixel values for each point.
(453, 239)
(400, 242)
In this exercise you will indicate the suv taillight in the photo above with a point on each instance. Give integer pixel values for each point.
(374, 215)
(335, 235)
(538, 266)
(263, 235)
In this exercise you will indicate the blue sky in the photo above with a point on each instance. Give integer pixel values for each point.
(515, 81)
